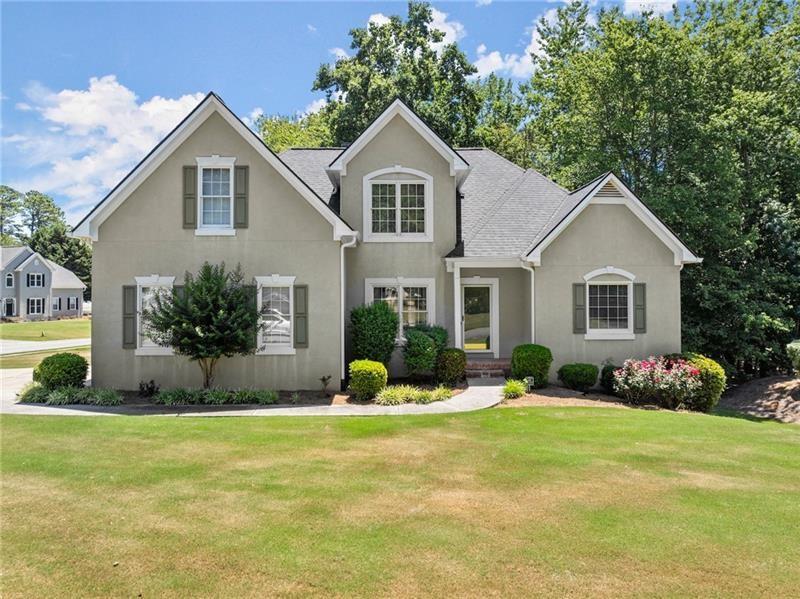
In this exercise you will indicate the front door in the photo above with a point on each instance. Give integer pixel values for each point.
(478, 310)
(9, 308)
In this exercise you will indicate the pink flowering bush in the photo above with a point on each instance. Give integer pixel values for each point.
(668, 383)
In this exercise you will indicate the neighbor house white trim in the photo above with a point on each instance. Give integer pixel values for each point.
(494, 312)
(72, 302)
(458, 166)
(609, 334)
(34, 256)
(215, 162)
(400, 283)
(682, 254)
(371, 179)
(211, 104)
(9, 277)
(38, 277)
(150, 349)
(13, 306)
(273, 349)
(40, 303)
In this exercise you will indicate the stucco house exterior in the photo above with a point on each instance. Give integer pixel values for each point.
(461, 238)
(34, 288)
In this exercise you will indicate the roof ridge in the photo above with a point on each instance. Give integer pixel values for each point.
(585, 185)
(548, 179)
(314, 148)
(495, 207)
(500, 156)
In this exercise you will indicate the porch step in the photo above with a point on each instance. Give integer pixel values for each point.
(484, 374)
(488, 368)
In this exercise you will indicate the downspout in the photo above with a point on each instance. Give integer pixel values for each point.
(529, 268)
(349, 244)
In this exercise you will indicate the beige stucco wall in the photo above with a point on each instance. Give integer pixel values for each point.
(286, 236)
(398, 144)
(606, 235)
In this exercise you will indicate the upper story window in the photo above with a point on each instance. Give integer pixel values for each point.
(9, 280)
(398, 205)
(215, 197)
(35, 279)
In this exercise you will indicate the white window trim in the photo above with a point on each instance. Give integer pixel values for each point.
(40, 278)
(221, 162)
(42, 300)
(10, 276)
(276, 280)
(70, 302)
(150, 281)
(396, 237)
(610, 334)
(55, 306)
(494, 316)
(13, 306)
(400, 283)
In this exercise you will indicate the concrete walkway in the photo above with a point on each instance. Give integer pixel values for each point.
(481, 393)
(11, 346)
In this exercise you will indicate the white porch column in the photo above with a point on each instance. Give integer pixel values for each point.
(457, 329)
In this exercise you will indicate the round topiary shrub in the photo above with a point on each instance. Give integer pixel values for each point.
(373, 331)
(419, 352)
(578, 376)
(712, 382)
(607, 378)
(451, 366)
(531, 360)
(367, 378)
(61, 370)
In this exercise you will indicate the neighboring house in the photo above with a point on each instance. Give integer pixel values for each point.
(34, 288)
(462, 238)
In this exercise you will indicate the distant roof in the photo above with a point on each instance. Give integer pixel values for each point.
(13, 256)
(63, 278)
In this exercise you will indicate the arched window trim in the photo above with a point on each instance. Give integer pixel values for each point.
(370, 179)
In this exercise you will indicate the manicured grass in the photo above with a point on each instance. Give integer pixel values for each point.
(31, 359)
(74, 328)
(520, 502)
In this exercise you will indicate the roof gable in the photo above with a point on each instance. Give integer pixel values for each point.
(398, 108)
(607, 189)
(211, 104)
(34, 255)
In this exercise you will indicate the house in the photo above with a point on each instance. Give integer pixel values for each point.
(35, 288)
(462, 238)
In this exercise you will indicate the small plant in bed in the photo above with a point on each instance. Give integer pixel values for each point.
(65, 396)
(395, 395)
(578, 376)
(514, 388)
(215, 397)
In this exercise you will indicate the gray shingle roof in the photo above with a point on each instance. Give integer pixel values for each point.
(12, 257)
(309, 164)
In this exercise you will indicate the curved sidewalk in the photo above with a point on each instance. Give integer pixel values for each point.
(481, 393)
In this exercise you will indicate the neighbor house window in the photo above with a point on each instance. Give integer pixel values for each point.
(609, 302)
(276, 307)
(215, 197)
(412, 299)
(147, 288)
(72, 303)
(9, 280)
(35, 279)
(398, 205)
(56, 304)
(35, 305)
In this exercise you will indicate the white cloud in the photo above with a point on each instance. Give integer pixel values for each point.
(453, 30)
(311, 28)
(103, 131)
(253, 116)
(314, 106)
(378, 18)
(659, 7)
(339, 53)
(23, 106)
(483, 2)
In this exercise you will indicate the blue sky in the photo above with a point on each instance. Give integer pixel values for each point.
(89, 88)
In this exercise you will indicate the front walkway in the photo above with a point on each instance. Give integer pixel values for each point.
(10, 346)
(481, 393)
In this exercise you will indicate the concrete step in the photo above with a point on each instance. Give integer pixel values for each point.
(485, 373)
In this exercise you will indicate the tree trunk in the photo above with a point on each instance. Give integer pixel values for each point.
(207, 366)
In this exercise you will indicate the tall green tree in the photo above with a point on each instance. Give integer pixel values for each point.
(401, 59)
(10, 205)
(306, 131)
(54, 243)
(501, 119)
(39, 211)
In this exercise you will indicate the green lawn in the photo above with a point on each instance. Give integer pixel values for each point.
(47, 330)
(564, 501)
(31, 359)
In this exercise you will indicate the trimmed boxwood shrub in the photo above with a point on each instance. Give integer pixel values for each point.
(531, 360)
(367, 378)
(419, 352)
(435, 332)
(61, 370)
(607, 378)
(793, 349)
(578, 376)
(373, 331)
(451, 366)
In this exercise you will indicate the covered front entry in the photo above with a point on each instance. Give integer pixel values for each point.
(480, 315)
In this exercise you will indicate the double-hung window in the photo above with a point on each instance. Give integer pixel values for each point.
(9, 280)
(146, 290)
(276, 306)
(398, 206)
(56, 304)
(609, 304)
(35, 279)
(215, 197)
(35, 305)
(72, 303)
(412, 299)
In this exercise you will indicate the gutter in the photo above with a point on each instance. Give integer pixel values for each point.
(526, 265)
(342, 280)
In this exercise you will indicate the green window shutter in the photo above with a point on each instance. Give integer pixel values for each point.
(240, 198)
(129, 316)
(189, 197)
(578, 308)
(639, 308)
(301, 315)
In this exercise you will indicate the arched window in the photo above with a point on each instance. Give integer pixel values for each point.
(398, 205)
(609, 303)
(9, 280)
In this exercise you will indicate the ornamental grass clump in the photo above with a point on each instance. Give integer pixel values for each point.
(668, 383)
(514, 388)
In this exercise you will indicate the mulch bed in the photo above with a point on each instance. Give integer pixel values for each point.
(774, 397)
